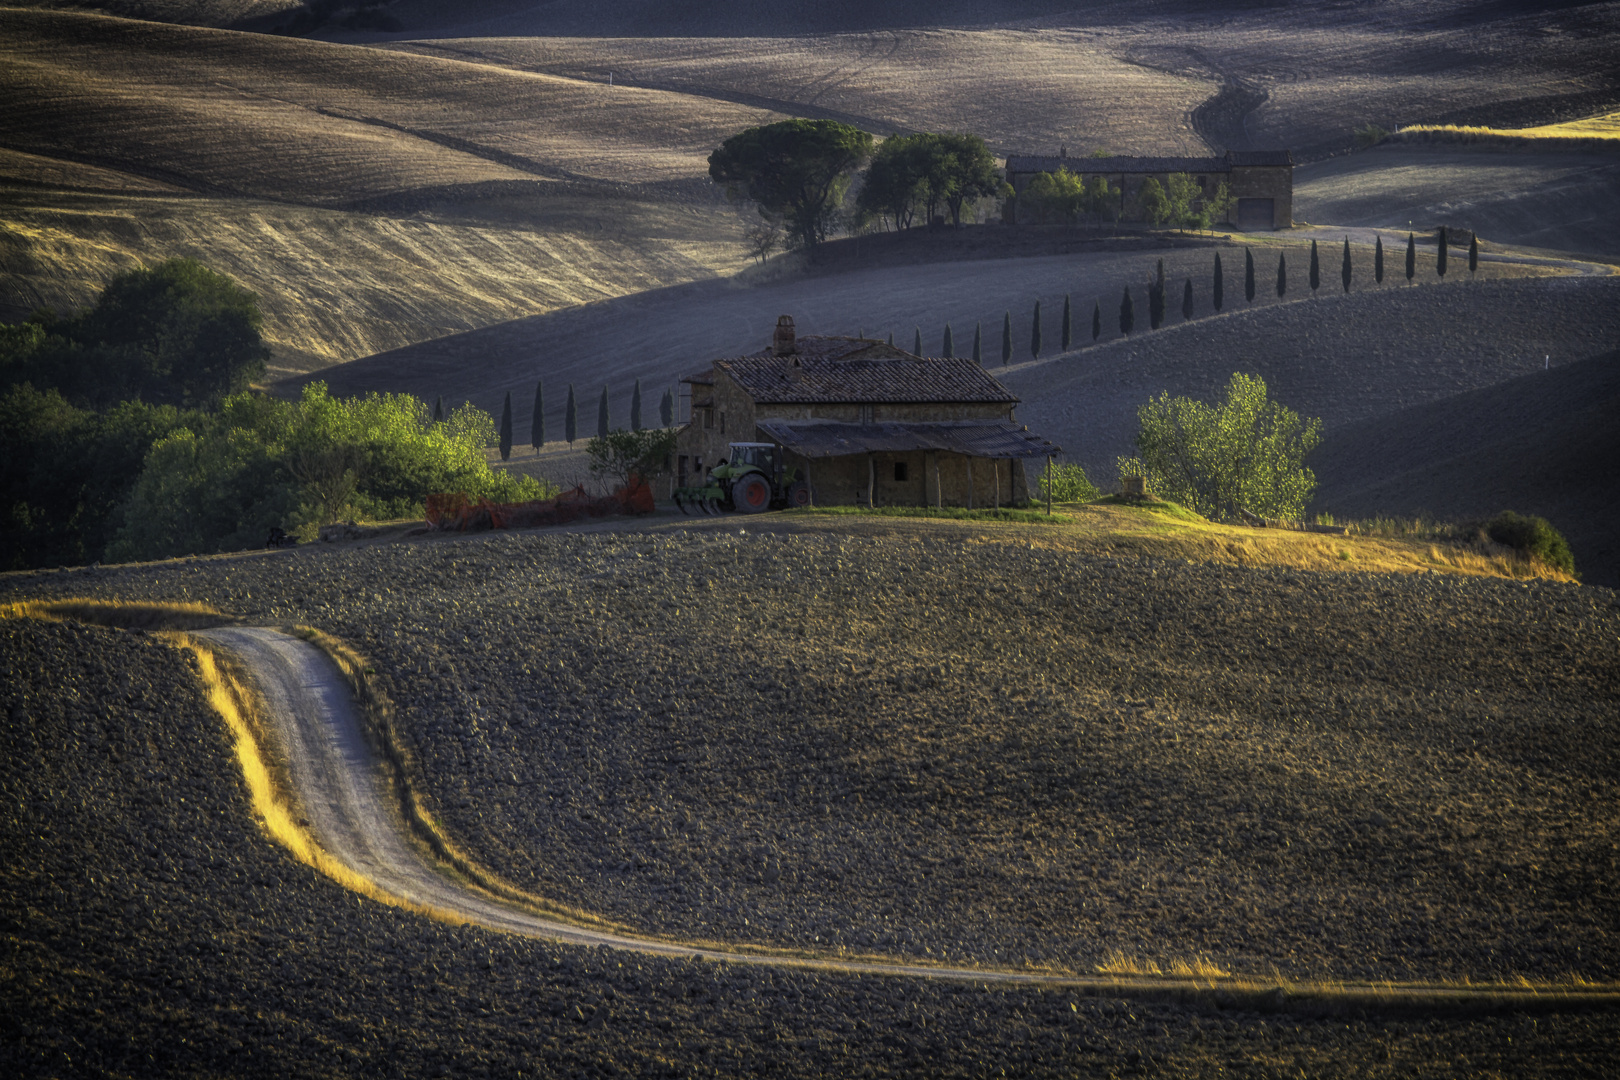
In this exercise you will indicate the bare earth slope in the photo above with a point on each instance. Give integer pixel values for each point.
(1545, 443)
(1560, 200)
(193, 944)
(1343, 358)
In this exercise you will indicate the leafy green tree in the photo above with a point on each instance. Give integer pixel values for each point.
(1411, 258)
(1054, 196)
(602, 426)
(1345, 269)
(177, 334)
(221, 480)
(1245, 453)
(895, 183)
(1187, 302)
(506, 428)
(1127, 314)
(1096, 320)
(1533, 537)
(1035, 332)
(635, 407)
(537, 422)
(622, 455)
(1282, 274)
(1219, 206)
(964, 170)
(571, 418)
(1006, 339)
(796, 171)
(1218, 288)
(1440, 255)
(1314, 277)
(1378, 260)
(1066, 482)
(1181, 194)
(978, 343)
(1152, 203)
(948, 347)
(1248, 275)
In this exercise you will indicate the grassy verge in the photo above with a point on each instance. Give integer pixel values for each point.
(951, 513)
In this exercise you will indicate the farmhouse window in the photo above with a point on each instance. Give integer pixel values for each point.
(722, 423)
(899, 472)
(680, 472)
(708, 418)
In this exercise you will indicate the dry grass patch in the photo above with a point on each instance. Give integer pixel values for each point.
(123, 614)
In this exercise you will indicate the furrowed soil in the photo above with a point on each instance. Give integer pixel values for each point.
(191, 943)
(977, 744)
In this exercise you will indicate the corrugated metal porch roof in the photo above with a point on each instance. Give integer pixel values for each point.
(975, 438)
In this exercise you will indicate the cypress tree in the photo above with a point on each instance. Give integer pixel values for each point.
(891, 339)
(1096, 320)
(1068, 333)
(1035, 332)
(1440, 256)
(1411, 258)
(1156, 299)
(916, 346)
(666, 409)
(1218, 294)
(948, 350)
(571, 418)
(438, 409)
(1186, 302)
(635, 407)
(978, 343)
(537, 424)
(1006, 339)
(506, 427)
(1282, 273)
(1248, 275)
(602, 414)
(1315, 274)
(1378, 261)
(1473, 255)
(1127, 314)
(1344, 271)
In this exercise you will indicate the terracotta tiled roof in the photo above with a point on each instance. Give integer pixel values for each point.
(830, 370)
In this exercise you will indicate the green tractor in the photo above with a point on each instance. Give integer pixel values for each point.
(752, 482)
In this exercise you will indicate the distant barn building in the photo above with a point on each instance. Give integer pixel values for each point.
(1262, 181)
(868, 423)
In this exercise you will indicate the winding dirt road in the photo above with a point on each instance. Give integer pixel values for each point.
(344, 790)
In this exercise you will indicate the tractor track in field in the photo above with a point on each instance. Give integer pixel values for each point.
(343, 787)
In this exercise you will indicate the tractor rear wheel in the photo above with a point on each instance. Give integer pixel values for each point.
(751, 494)
(798, 494)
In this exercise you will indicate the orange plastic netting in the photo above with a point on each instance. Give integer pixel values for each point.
(456, 511)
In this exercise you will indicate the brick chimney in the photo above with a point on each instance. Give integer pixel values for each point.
(786, 342)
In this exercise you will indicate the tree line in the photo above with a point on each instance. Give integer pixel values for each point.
(129, 431)
(1156, 292)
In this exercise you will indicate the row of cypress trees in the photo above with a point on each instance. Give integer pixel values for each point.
(537, 428)
(1156, 297)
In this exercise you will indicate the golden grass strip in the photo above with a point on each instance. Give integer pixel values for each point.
(227, 690)
(377, 717)
(123, 614)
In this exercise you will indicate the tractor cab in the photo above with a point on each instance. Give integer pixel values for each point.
(752, 456)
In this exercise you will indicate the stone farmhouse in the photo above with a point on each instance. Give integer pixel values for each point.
(1262, 181)
(865, 422)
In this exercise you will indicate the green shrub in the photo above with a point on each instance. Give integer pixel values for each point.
(1067, 483)
(1533, 537)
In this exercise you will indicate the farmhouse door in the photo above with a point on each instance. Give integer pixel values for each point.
(1256, 213)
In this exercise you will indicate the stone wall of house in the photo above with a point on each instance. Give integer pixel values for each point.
(880, 412)
(843, 481)
(1266, 182)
